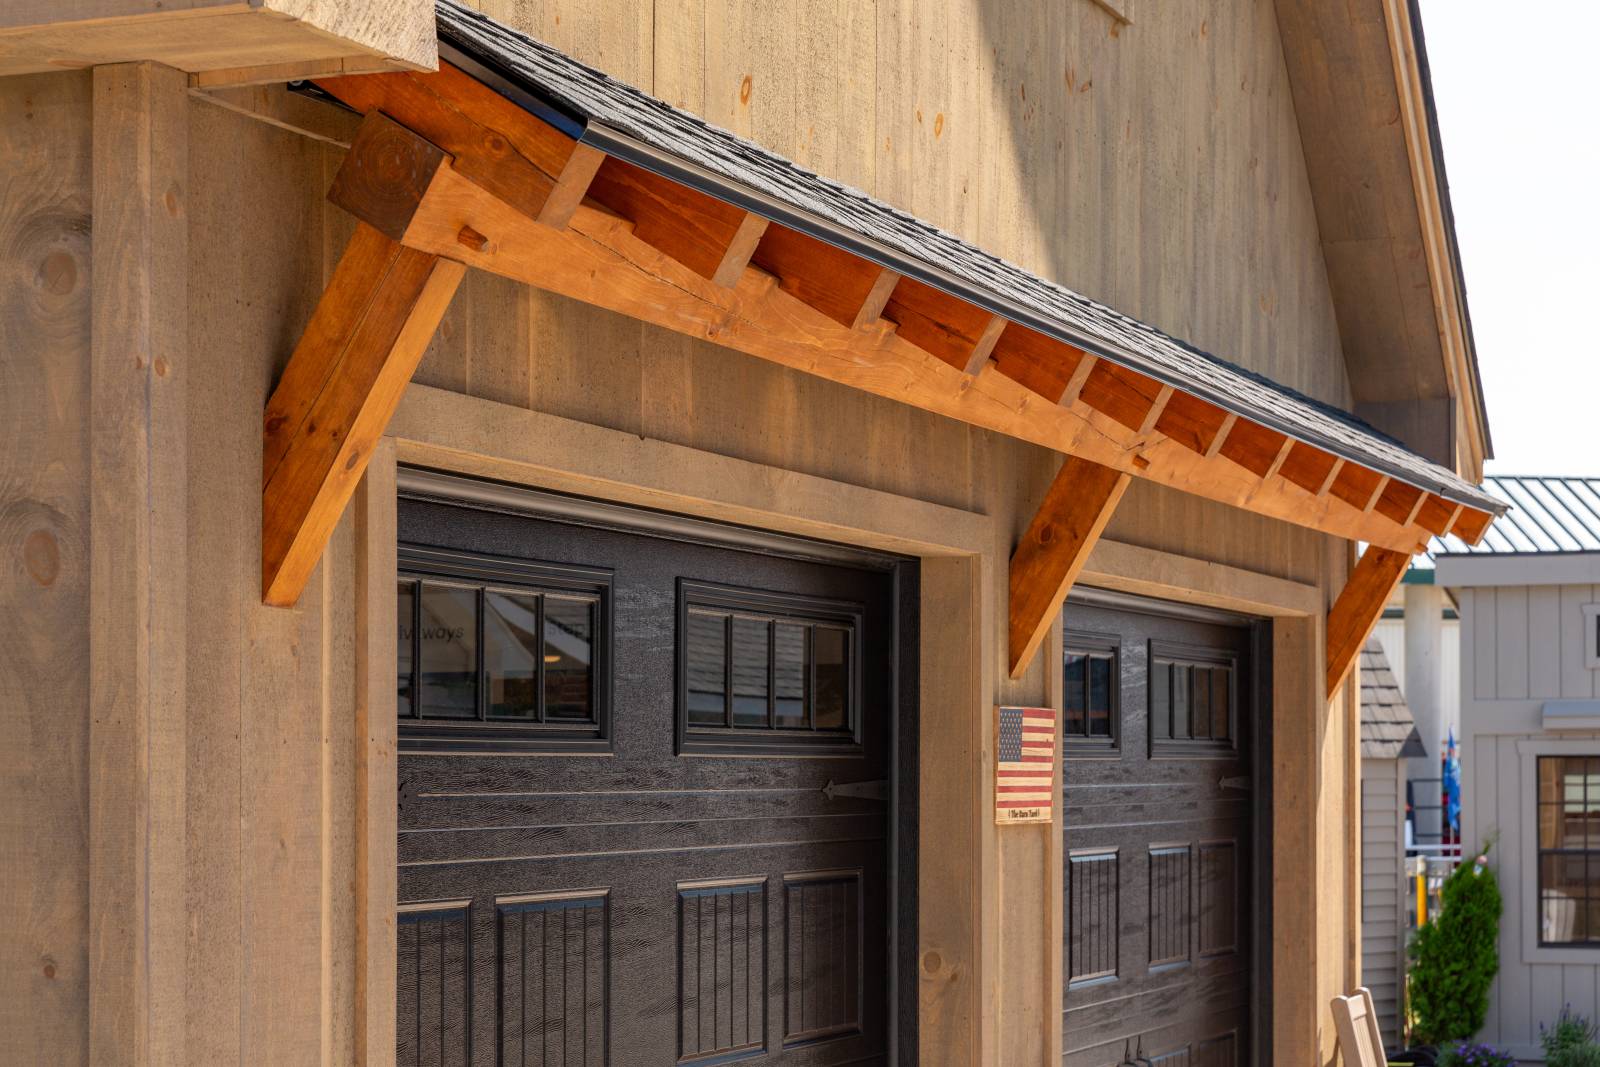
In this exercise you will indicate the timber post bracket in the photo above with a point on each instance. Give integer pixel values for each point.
(351, 365)
(1053, 551)
(1360, 604)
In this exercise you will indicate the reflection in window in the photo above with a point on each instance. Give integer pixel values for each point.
(569, 658)
(789, 674)
(406, 614)
(511, 654)
(1089, 691)
(831, 669)
(1191, 701)
(707, 668)
(751, 661)
(448, 652)
(745, 670)
(478, 652)
(1569, 850)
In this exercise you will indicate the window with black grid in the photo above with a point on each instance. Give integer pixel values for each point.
(1569, 850)
(1090, 694)
(1192, 700)
(500, 653)
(766, 673)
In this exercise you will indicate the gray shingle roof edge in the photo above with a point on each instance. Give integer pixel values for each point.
(621, 120)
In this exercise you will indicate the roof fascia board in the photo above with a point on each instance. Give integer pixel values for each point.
(1531, 568)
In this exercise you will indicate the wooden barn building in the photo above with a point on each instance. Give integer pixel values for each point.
(532, 534)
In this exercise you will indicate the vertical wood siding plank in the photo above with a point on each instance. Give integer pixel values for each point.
(1485, 625)
(1503, 792)
(1544, 641)
(220, 552)
(137, 565)
(47, 153)
(1511, 642)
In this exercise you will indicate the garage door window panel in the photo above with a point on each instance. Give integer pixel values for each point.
(1091, 694)
(766, 672)
(490, 662)
(1193, 693)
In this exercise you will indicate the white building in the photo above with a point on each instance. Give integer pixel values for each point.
(1529, 597)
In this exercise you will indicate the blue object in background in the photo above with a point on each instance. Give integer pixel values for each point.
(1452, 788)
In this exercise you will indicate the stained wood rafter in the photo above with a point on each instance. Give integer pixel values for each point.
(520, 198)
(846, 289)
(1051, 554)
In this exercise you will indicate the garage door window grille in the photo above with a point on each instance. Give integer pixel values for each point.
(764, 673)
(1569, 850)
(1193, 697)
(1091, 694)
(501, 653)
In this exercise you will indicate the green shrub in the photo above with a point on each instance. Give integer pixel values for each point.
(1455, 957)
(1576, 1056)
(1569, 1041)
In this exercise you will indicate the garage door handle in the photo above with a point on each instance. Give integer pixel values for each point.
(1241, 783)
(878, 790)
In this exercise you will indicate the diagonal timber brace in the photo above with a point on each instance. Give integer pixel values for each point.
(1360, 603)
(1052, 553)
(350, 367)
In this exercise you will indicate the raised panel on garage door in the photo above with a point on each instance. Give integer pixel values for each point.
(1159, 838)
(644, 815)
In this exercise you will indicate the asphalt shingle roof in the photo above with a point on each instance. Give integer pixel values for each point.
(597, 107)
(1387, 729)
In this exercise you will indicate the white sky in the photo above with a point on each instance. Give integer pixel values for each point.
(1518, 91)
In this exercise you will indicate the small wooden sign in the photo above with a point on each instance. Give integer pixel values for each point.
(1025, 765)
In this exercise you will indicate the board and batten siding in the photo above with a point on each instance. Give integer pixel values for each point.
(1383, 910)
(996, 121)
(1521, 645)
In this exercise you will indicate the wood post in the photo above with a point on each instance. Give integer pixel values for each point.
(1356, 612)
(138, 542)
(1075, 510)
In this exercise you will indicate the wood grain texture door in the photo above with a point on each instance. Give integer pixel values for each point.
(1158, 799)
(643, 798)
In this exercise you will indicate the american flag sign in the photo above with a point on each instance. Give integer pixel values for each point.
(1024, 786)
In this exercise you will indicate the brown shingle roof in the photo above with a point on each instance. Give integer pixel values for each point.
(1387, 729)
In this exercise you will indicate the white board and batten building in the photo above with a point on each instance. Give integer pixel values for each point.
(1529, 598)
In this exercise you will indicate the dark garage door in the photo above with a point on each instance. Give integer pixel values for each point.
(1159, 838)
(644, 814)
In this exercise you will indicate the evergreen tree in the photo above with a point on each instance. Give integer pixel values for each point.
(1456, 957)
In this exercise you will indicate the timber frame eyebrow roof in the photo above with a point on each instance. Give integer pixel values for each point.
(621, 121)
(514, 159)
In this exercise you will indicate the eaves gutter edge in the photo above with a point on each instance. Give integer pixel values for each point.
(625, 146)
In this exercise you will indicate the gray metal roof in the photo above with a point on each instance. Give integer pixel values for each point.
(1388, 730)
(622, 121)
(1548, 515)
